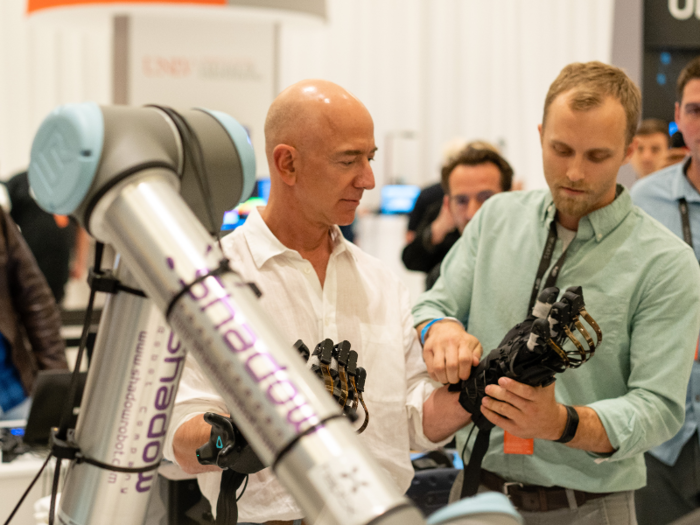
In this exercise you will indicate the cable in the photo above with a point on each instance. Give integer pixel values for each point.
(464, 448)
(366, 422)
(245, 486)
(73, 392)
(54, 490)
(26, 492)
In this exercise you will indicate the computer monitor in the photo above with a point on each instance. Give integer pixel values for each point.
(263, 189)
(237, 216)
(51, 390)
(399, 198)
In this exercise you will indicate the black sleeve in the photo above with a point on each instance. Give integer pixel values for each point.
(421, 255)
(18, 190)
(427, 197)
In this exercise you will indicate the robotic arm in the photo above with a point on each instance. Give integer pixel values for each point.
(121, 172)
(153, 182)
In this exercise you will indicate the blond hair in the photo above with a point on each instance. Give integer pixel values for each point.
(590, 83)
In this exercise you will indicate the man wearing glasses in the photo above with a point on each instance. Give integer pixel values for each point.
(468, 180)
(672, 196)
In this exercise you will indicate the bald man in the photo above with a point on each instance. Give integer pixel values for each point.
(316, 285)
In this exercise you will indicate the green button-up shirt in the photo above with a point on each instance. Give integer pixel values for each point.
(640, 283)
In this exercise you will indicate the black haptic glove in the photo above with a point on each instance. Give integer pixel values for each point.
(229, 450)
(532, 352)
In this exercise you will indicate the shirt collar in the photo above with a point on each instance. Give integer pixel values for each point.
(263, 244)
(599, 223)
(681, 186)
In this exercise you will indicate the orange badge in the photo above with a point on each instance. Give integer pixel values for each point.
(61, 220)
(516, 445)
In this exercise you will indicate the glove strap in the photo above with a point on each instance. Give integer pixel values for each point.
(472, 472)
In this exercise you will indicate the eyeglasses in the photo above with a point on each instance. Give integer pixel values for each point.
(462, 201)
(692, 110)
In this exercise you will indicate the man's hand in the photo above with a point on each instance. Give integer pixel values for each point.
(443, 223)
(533, 412)
(449, 351)
(524, 411)
(191, 435)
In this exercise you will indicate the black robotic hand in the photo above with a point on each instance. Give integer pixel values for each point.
(337, 366)
(532, 351)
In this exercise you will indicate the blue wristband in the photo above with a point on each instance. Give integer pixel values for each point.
(424, 332)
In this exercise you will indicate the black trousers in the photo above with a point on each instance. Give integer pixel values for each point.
(671, 492)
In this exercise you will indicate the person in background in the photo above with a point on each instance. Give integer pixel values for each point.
(316, 285)
(430, 198)
(677, 151)
(60, 246)
(468, 179)
(651, 145)
(572, 452)
(30, 323)
(672, 196)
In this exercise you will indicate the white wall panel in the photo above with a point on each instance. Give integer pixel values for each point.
(437, 68)
(44, 62)
(451, 68)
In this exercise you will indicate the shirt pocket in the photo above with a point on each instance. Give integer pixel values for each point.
(609, 368)
(611, 314)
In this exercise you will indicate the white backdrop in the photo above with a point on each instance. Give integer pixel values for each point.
(447, 68)
(43, 64)
(223, 65)
(428, 69)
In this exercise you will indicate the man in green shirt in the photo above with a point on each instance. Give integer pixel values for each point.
(640, 283)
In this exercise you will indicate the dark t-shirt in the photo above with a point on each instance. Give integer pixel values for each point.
(50, 242)
(421, 255)
(428, 196)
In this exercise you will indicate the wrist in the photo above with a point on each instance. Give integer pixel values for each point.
(426, 329)
(570, 426)
(560, 425)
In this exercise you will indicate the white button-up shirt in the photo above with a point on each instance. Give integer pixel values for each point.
(361, 301)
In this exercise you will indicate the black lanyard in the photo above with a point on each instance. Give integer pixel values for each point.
(544, 264)
(685, 221)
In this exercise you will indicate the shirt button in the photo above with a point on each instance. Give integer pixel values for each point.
(307, 270)
(600, 236)
(697, 398)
